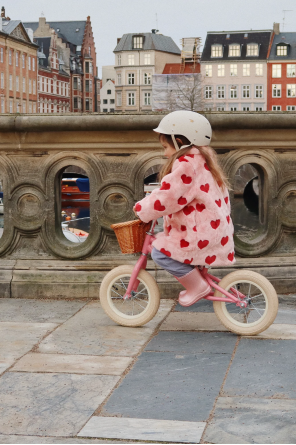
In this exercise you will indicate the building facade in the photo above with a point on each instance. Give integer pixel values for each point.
(234, 70)
(76, 49)
(137, 58)
(281, 73)
(18, 68)
(107, 97)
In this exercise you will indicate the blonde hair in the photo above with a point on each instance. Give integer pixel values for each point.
(207, 152)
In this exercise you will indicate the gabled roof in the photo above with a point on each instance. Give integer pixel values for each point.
(65, 30)
(9, 25)
(156, 42)
(289, 38)
(226, 38)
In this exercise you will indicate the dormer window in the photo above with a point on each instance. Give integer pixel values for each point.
(234, 50)
(252, 49)
(282, 49)
(246, 36)
(137, 42)
(216, 51)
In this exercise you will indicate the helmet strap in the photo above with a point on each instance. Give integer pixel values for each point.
(175, 143)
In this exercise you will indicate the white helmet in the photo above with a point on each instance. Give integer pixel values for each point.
(195, 127)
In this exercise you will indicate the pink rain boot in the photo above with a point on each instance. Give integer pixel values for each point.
(196, 288)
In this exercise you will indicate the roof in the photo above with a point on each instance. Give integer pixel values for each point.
(262, 38)
(175, 68)
(156, 42)
(44, 45)
(284, 37)
(67, 30)
(9, 25)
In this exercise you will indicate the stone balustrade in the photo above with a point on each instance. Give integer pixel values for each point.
(118, 152)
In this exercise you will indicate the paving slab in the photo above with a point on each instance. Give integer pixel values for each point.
(50, 404)
(195, 321)
(37, 439)
(92, 332)
(286, 315)
(263, 368)
(279, 331)
(252, 420)
(72, 364)
(169, 386)
(193, 342)
(144, 429)
(18, 338)
(38, 311)
(200, 306)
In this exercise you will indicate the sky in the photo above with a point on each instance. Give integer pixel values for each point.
(175, 18)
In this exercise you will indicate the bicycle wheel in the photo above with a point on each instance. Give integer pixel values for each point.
(134, 311)
(261, 298)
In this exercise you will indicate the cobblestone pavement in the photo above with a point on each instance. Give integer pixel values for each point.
(68, 374)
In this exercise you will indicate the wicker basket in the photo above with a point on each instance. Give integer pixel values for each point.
(131, 235)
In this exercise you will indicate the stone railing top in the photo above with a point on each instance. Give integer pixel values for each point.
(140, 121)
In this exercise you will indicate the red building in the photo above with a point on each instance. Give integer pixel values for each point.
(281, 73)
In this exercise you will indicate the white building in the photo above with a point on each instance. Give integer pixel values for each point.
(107, 97)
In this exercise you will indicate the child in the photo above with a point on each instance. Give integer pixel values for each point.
(194, 202)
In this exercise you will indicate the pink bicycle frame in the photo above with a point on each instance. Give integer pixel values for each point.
(211, 279)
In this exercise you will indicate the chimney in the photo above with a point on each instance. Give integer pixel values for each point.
(3, 12)
(42, 22)
(118, 40)
(276, 28)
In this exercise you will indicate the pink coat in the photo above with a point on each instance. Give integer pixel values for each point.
(197, 225)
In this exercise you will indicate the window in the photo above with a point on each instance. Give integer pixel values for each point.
(2, 106)
(220, 108)
(259, 109)
(33, 63)
(105, 101)
(10, 82)
(2, 80)
(246, 108)
(131, 59)
(276, 70)
(252, 49)
(30, 86)
(17, 83)
(118, 79)
(112, 101)
(234, 50)
(87, 86)
(131, 79)
(34, 107)
(105, 110)
(147, 79)
(79, 83)
(86, 104)
(24, 84)
(90, 87)
(119, 59)
(233, 92)
(276, 90)
(75, 102)
(259, 69)
(208, 92)
(10, 106)
(16, 58)
(147, 59)
(221, 70)
(291, 108)
(34, 86)
(282, 50)
(246, 90)
(109, 92)
(220, 92)
(291, 90)
(233, 108)
(137, 42)
(276, 108)
(119, 99)
(24, 107)
(87, 67)
(112, 110)
(258, 90)
(23, 61)
(131, 99)
(29, 63)
(147, 98)
(30, 107)
(75, 83)
(208, 71)
(233, 69)
(216, 51)
(90, 68)
(10, 57)
(291, 70)
(1, 54)
(246, 69)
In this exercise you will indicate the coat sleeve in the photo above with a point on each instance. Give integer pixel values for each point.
(172, 196)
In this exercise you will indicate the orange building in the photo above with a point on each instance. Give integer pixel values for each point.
(18, 68)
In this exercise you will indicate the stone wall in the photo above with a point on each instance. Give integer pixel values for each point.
(118, 152)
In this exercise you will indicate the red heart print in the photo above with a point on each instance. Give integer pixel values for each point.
(215, 224)
(169, 229)
(226, 200)
(170, 215)
(158, 206)
(203, 243)
(182, 201)
(188, 209)
(200, 207)
(190, 156)
(218, 202)
(138, 207)
(219, 183)
(182, 159)
(228, 219)
(194, 229)
(224, 240)
(186, 179)
(210, 259)
(188, 261)
(231, 256)
(183, 228)
(205, 188)
(166, 252)
(184, 243)
(206, 167)
(165, 186)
